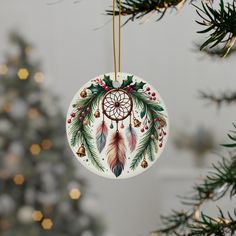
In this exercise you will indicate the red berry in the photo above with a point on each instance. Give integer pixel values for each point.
(88, 108)
(153, 94)
(146, 127)
(80, 118)
(160, 145)
(149, 93)
(79, 108)
(154, 98)
(128, 86)
(155, 120)
(69, 121)
(142, 130)
(148, 89)
(72, 114)
(83, 113)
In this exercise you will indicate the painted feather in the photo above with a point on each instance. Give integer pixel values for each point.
(101, 136)
(116, 154)
(132, 138)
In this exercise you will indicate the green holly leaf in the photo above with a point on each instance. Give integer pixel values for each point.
(138, 86)
(128, 81)
(158, 108)
(143, 112)
(95, 88)
(108, 81)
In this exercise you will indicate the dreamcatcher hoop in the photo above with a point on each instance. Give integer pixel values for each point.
(117, 104)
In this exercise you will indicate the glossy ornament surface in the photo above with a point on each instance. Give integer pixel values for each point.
(117, 129)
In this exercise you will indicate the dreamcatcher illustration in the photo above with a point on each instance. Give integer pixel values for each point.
(117, 132)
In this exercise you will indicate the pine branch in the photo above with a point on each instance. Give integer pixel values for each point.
(220, 181)
(222, 225)
(86, 138)
(144, 147)
(227, 98)
(215, 52)
(221, 24)
(136, 9)
(148, 144)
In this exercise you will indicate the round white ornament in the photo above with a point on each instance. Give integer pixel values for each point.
(117, 129)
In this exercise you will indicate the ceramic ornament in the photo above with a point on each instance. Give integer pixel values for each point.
(117, 129)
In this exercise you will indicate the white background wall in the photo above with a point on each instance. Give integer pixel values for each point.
(72, 52)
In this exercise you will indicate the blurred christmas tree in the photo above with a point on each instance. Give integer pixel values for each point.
(220, 182)
(39, 185)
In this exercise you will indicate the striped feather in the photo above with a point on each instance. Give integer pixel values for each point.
(132, 138)
(101, 136)
(116, 154)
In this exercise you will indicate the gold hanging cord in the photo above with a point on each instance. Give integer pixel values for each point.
(114, 38)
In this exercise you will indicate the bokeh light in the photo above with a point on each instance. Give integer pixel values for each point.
(39, 77)
(37, 216)
(33, 113)
(19, 179)
(75, 193)
(35, 149)
(47, 224)
(23, 74)
(46, 144)
(3, 69)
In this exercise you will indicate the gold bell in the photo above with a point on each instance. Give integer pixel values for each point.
(97, 114)
(81, 151)
(137, 123)
(83, 94)
(144, 163)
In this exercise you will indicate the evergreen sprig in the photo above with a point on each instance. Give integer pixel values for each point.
(86, 137)
(136, 9)
(222, 225)
(149, 143)
(221, 23)
(220, 181)
(82, 133)
(226, 97)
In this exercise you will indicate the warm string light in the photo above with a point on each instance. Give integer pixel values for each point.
(3, 69)
(75, 194)
(46, 144)
(35, 149)
(37, 216)
(19, 179)
(39, 77)
(23, 74)
(33, 113)
(47, 224)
